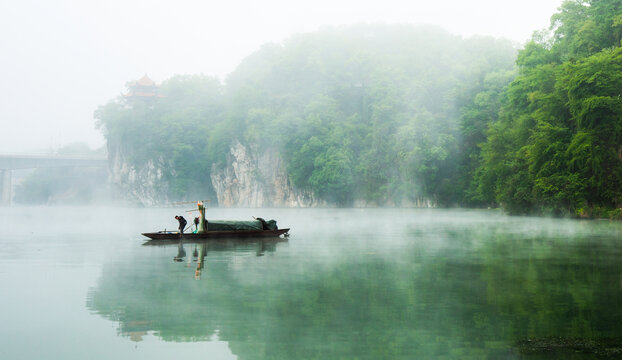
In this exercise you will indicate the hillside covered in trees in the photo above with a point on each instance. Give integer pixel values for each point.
(400, 115)
(557, 145)
(368, 113)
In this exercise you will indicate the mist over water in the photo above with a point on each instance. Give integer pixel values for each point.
(397, 105)
(366, 283)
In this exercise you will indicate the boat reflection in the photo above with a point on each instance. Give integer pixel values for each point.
(476, 294)
(152, 295)
(203, 247)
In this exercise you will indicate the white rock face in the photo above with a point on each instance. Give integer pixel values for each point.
(250, 178)
(256, 179)
(140, 185)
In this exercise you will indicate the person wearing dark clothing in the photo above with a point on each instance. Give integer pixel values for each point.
(182, 223)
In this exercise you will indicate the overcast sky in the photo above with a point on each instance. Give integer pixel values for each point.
(60, 59)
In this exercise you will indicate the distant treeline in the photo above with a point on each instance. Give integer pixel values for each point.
(395, 114)
(64, 185)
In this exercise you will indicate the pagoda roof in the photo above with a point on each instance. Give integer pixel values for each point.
(144, 81)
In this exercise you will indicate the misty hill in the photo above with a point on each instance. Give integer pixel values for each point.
(372, 115)
(393, 115)
(366, 113)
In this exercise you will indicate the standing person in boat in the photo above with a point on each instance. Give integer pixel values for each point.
(182, 223)
(196, 225)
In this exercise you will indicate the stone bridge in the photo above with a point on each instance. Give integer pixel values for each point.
(14, 162)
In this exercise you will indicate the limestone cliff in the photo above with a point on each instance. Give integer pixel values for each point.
(253, 178)
(249, 178)
(142, 184)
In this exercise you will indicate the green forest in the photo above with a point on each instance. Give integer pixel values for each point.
(397, 114)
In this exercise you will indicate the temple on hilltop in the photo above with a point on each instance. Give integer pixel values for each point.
(144, 88)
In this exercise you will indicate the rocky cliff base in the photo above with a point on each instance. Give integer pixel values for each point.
(254, 178)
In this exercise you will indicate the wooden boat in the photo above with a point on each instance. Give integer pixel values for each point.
(218, 229)
(172, 235)
(220, 243)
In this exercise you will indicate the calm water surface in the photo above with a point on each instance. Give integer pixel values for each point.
(79, 283)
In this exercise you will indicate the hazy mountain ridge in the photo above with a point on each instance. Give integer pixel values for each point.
(366, 114)
(398, 115)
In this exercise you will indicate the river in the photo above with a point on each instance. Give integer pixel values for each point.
(80, 283)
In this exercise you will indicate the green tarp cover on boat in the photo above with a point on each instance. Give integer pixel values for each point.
(221, 225)
(271, 225)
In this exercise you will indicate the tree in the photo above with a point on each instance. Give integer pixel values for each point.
(556, 147)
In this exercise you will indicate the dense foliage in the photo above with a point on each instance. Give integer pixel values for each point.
(177, 129)
(367, 113)
(557, 146)
(409, 115)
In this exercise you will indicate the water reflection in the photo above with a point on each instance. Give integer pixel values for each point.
(154, 296)
(463, 291)
(201, 249)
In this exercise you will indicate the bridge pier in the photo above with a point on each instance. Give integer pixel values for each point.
(5, 187)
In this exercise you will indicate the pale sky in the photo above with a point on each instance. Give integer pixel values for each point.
(60, 59)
